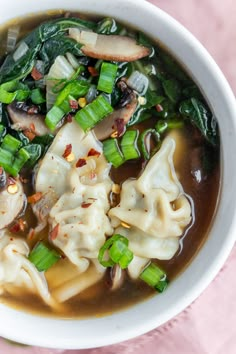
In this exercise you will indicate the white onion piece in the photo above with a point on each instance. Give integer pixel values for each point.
(138, 82)
(109, 47)
(72, 60)
(21, 50)
(61, 69)
(12, 36)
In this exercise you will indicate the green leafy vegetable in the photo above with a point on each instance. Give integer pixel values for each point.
(13, 90)
(201, 117)
(172, 89)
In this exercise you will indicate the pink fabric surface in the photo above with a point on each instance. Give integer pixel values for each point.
(208, 325)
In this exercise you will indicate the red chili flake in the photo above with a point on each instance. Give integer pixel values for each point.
(34, 198)
(80, 163)
(36, 75)
(54, 233)
(15, 228)
(120, 126)
(31, 234)
(85, 205)
(29, 134)
(33, 110)
(69, 118)
(159, 108)
(93, 152)
(92, 71)
(67, 151)
(73, 104)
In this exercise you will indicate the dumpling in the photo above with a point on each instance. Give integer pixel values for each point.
(80, 216)
(154, 207)
(53, 170)
(17, 270)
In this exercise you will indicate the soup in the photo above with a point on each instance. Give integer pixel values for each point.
(109, 166)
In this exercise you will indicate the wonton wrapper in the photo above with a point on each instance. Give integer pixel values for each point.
(83, 223)
(154, 207)
(53, 170)
(17, 271)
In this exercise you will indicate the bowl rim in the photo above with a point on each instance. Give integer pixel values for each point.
(118, 325)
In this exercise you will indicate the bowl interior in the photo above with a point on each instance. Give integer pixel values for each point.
(187, 286)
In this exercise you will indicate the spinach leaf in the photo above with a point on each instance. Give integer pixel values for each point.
(35, 152)
(172, 67)
(58, 45)
(192, 91)
(11, 70)
(172, 89)
(202, 118)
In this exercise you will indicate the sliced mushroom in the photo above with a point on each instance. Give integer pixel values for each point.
(12, 201)
(117, 277)
(109, 47)
(3, 178)
(23, 121)
(114, 121)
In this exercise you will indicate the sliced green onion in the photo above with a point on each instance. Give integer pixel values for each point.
(6, 160)
(10, 144)
(42, 257)
(112, 152)
(37, 96)
(163, 125)
(129, 145)
(13, 90)
(53, 117)
(117, 248)
(93, 113)
(155, 277)
(107, 77)
(120, 254)
(75, 88)
(21, 158)
(144, 146)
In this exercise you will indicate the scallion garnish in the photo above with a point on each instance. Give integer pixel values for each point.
(129, 145)
(10, 144)
(118, 252)
(112, 152)
(107, 77)
(93, 113)
(155, 277)
(53, 117)
(13, 90)
(144, 142)
(163, 125)
(43, 257)
(21, 158)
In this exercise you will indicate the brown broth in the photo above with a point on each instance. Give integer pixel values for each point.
(202, 189)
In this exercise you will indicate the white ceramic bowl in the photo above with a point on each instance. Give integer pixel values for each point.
(75, 334)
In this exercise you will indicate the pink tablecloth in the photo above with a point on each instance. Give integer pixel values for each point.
(208, 325)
